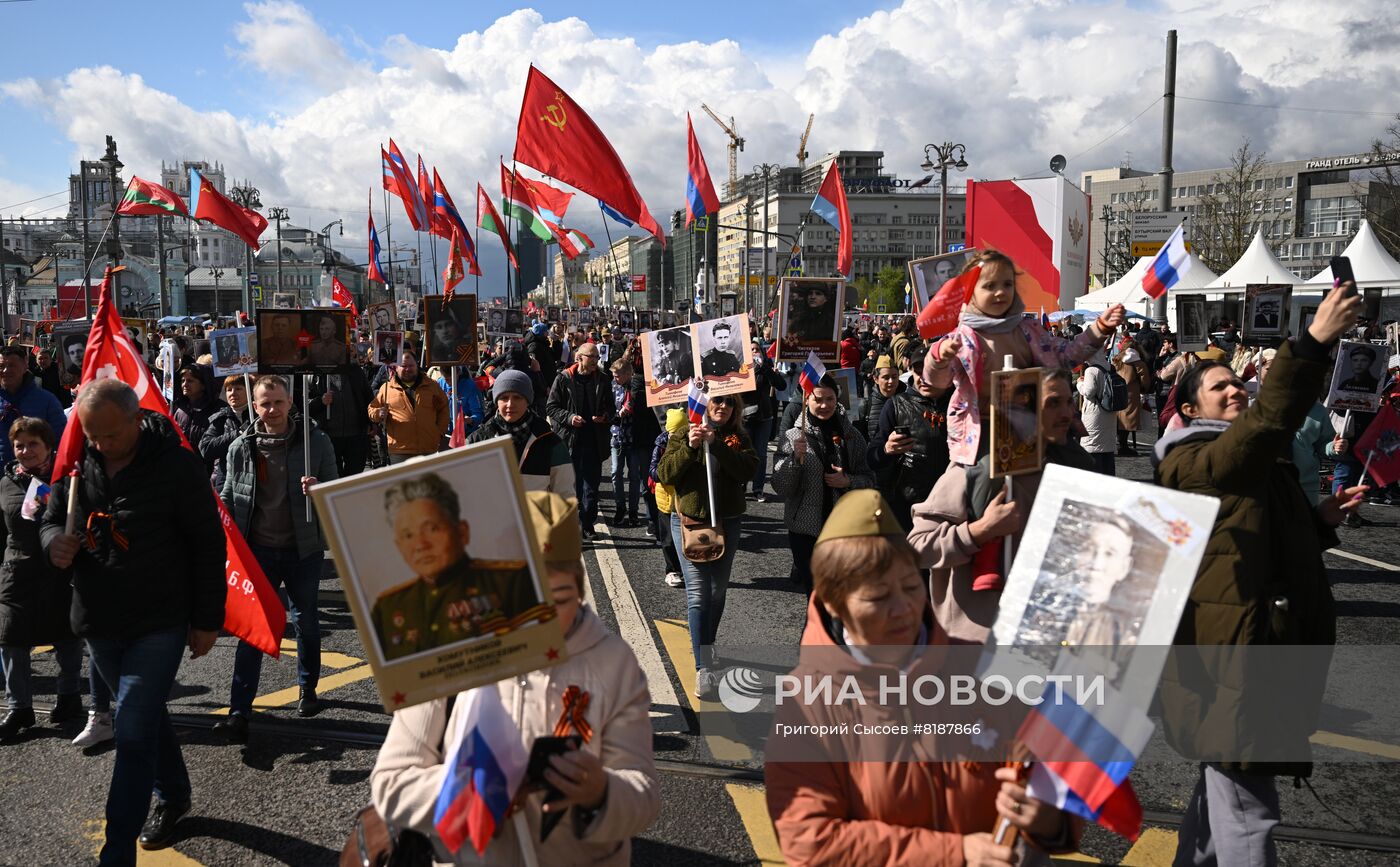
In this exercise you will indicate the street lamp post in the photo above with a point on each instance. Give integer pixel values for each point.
(1107, 215)
(277, 215)
(216, 272)
(948, 154)
(247, 195)
(114, 246)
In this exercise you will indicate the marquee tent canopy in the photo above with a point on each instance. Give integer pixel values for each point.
(1369, 261)
(1127, 290)
(1257, 265)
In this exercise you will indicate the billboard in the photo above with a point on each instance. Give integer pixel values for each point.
(1043, 224)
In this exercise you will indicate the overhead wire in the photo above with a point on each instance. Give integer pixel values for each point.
(1290, 107)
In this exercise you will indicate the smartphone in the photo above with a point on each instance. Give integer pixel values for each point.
(545, 748)
(901, 429)
(1341, 273)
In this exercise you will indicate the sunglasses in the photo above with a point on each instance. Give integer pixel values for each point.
(722, 401)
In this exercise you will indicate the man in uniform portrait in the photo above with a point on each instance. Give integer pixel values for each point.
(1361, 379)
(453, 596)
(718, 360)
(280, 346)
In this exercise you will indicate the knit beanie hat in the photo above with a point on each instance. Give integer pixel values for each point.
(513, 380)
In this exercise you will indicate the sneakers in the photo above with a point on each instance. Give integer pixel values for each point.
(16, 721)
(651, 530)
(308, 704)
(233, 728)
(98, 730)
(159, 831)
(706, 684)
(675, 579)
(67, 707)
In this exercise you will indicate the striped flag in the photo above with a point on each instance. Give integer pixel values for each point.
(374, 271)
(1169, 265)
(812, 372)
(398, 179)
(484, 768)
(1121, 813)
(696, 402)
(488, 219)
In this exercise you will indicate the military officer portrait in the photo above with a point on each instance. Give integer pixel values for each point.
(1357, 363)
(719, 352)
(452, 596)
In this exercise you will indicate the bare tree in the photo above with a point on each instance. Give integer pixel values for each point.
(1234, 207)
(1383, 205)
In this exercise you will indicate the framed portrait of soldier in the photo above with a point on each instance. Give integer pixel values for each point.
(318, 340)
(284, 300)
(515, 321)
(551, 314)
(668, 365)
(726, 354)
(446, 586)
(809, 318)
(585, 317)
(382, 316)
(388, 346)
(1358, 376)
(70, 343)
(1192, 326)
(927, 275)
(138, 331)
(450, 329)
(627, 321)
(1016, 446)
(27, 330)
(496, 321)
(669, 319)
(235, 351)
(1266, 309)
(1102, 573)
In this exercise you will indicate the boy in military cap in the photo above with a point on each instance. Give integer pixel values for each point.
(454, 596)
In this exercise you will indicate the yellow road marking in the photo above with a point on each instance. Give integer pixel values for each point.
(719, 731)
(43, 648)
(286, 696)
(1074, 858)
(1156, 846)
(753, 810)
(1356, 745)
(329, 659)
(97, 833)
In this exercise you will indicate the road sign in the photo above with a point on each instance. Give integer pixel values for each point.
(1148, 226)
(879, 308)
(639, 282)
(956, 248)
(1150, 248)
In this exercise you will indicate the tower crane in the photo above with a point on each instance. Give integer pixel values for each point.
(802, 145)
(736, 144)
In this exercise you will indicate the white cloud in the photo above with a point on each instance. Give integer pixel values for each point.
(1015, 83)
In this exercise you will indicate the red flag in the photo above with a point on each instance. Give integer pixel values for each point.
(341, 296)
(207, 203)
(557, 137)
(830, 205)
(425, 190)
(252, 610)
(453, 273)
(373, 271)
(940, 315)
(145, 198)
(1380, 445)
(700, 198)
(486, 211)
(459, 427)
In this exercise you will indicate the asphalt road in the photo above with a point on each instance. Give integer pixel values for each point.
(289, 796)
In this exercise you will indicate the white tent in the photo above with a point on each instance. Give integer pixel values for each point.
(1369, 261)
(1257, 265)
(1127, 290)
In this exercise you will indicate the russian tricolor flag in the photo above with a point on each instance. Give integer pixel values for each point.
(830, 205)
(696, 402)
(485, 767)
(812, 372)
(1169, 265)
(700, 198)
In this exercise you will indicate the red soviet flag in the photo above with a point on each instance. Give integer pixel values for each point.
(558, 138)
(252, 611)
(207, 203)
(940, 314)
(1379, 446)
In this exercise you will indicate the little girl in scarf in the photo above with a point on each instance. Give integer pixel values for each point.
(990, 327)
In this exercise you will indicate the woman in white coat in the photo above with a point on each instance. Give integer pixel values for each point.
(610, 787)
(1101, 426)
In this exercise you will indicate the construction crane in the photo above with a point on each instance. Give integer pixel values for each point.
(802, 145)
(736, 144)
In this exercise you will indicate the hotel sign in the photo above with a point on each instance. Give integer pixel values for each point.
(1385, 158)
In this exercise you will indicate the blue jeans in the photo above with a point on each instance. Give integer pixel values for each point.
(141, 671)
(1346, 474)
(98, 690)
(760, 431)
(705, 587)
(15, 661)
(626, 462)
(301, 578)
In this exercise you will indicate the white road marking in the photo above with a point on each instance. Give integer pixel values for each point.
(1389, 567)
(666, 714)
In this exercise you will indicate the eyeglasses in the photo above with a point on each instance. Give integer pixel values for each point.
(722, 401)
(586, 354)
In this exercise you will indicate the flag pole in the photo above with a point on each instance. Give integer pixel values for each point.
(389, 239)
(306, 435)
(510, 291)
(248, 390)
(455, 399)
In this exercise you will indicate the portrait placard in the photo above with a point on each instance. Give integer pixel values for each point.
(551, 314)
(585, 317)
(388, 346)
(626, 322)
(496, 322)
(1101, 576)
(284, 300)
(725, 353)
(382, 316)
(1266, 308)
(515, 321)
(70, 339)
(928, 275)
(139, 332)
(467, 609)
(450, 328)
(235, 351)
(318, 340)
(1016, 447)
(668, 365)
(1358, 376)
(1192, 327)
(808, 318)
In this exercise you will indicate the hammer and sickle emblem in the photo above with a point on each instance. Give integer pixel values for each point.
(555, 116)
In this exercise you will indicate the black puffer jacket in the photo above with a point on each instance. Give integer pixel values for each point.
(193, 416)
(225, 426)
(158, 556)
(34, 596)
(587, 396)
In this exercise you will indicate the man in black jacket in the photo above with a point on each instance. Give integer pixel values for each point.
(909, 447)
(580, 407)
(148, 581)
(760, 407)
(339, 405)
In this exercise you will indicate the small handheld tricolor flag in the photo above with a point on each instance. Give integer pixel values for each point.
(1169, 265)
(812, 372)
(696, 402)
(486, 765)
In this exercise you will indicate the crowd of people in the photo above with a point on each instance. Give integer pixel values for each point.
(897, 530)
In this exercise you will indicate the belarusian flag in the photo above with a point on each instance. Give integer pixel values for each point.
(581, 241)
(488, 219)
(520, 205)
(144, 198)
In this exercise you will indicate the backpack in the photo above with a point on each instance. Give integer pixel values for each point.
(1113, 391)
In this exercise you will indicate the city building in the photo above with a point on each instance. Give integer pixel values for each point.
(533, 255)
(567, 277)
(688, 247)
(653, 260)
(1308, 208)
(608, 266)
(307, 262)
